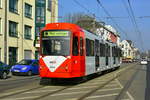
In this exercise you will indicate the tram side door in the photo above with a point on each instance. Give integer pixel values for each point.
(97, 55)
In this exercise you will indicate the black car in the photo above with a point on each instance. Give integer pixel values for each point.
(4, 70)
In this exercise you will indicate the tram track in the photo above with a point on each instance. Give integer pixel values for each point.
(118, 72)
(51, 93)
(9, 85)
(116, 75)
(126, 86)
(87, 94)
(20, 92)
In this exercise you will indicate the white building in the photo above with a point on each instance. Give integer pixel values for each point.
(127, 48)
(108, 33)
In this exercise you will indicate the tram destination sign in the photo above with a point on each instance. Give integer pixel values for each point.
(55, 33)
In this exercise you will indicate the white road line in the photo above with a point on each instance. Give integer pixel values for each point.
(91, 87)
(69, 93)
(52, 87)
(21, 98)
(109, 89)
(38, 91)
(130, 96)
(95, 83)
(119, 83)
(99, 96)
(82, 87)
(100, 81)
(111, 85)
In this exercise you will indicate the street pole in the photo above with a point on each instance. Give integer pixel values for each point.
(5, 34)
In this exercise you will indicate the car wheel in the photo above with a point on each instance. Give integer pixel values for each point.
(29, 73)
(4, 75)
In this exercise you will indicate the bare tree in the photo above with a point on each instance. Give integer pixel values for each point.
(83, 20)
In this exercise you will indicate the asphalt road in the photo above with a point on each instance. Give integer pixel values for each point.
(130, 82)
(13, 82)
(136, 82)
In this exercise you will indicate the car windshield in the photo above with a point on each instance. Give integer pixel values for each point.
(25, 62)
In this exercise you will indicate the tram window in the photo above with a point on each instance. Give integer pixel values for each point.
(89, 47)
(113, 51)
(102, 50)
(92, 48)
(75, 46)
(107, 50)
(81, 46)
(97, 49)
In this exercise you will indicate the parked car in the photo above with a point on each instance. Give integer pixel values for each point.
(26, 67)
(144, 62)
(4, 70)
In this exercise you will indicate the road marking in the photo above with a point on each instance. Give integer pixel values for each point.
(96, 83)
(38, 91)
(129, 95)
(109, 89)
(111, 85)
(119, 83)
(52, 87)
(82, 87)
(69, 93)
(21, 98)
(99, 96)
(91, 87)
(100, 81)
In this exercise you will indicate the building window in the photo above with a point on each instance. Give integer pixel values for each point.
(49, 5)
(12, 55)
(28, 10)
(13, 27)
(27, 32)
(40, 1)
(27, 54)
(0, 26)
(13, 6)
(37, 31)
(0, 3)
(40, 15)
(36, 54)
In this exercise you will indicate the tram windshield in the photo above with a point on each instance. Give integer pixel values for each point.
(56, 43)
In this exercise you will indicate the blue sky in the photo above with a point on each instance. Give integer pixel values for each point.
(116, 8)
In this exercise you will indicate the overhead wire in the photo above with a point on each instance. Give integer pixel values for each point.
(115, 23)
(79, 4)
(134, 22)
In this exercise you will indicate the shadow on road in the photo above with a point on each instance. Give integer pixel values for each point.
(147, 90)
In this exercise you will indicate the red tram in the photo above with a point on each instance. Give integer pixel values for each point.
(68, 51)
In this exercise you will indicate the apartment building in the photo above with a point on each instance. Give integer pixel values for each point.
(18, 26)
(128, 49)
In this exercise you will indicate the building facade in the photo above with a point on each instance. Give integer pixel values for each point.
(127, 49)
(18, 27)
(108, 33)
